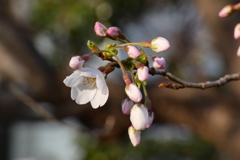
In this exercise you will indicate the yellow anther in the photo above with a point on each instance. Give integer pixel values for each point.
(88, 81)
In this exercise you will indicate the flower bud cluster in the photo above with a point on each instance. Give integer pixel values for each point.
(111, 32)
(88, 85)
(141, 115)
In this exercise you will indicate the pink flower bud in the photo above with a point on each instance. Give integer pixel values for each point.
(237, 31)
(75, 63)
(126, 106)
(113, 32)
(238, 52)
(100, 29)
(142, 73)
(134, 136)
(160, 44)
(133, 92)
(139, 117)
(159, 62)
(150, 119)
(226, 11)
(132, 51)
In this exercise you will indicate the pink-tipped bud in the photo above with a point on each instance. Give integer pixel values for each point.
(226, 11)
(237, 31)
(160, 44)
(126, 106)
(100, 29)
(238, 52)
(159, 62)
(236, 7)
(75, 63)
(139, 117)
(113, 32)
(134, 136)
(133, 92)
(150, 119)
(142, 73)
(132, 51)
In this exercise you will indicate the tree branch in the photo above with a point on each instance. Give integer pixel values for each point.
(184, 84)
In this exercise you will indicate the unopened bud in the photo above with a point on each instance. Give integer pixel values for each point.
(134, 136)
(109, 70)
(100, 29)
(142, 73)
(132, 51)
(139, 117)
(237, 31)
(150, 119)
(226, 11)
(133, 92)
(127, 105)
(238, 52)
(92, 46)
(160, 44)
(76, 63)
(159, 62)
(113, 32)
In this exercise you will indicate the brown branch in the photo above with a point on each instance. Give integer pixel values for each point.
(184, 84)
(31, 103)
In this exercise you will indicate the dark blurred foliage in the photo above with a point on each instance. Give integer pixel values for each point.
(70, 23)
(149, 149)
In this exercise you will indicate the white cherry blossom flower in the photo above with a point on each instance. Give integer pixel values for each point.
(88, 85)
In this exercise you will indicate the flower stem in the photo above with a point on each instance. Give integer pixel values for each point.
(125, 75)
(127, 44)
(149, 55)
(132, 76)
(128, 40)
(96, 52)
(147, 102)
(121, 40)
(144, 90)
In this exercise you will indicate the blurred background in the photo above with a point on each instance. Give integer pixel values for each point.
(38, 119)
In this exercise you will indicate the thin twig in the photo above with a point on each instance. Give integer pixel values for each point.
(184, 84)
(36, 107)
(39, 110)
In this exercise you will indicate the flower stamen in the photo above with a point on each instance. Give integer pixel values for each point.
(89, 81)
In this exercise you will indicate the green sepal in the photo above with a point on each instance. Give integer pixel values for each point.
(92, 46)
(143, 58)
(128, 64)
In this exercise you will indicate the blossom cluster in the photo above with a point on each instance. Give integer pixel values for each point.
(89, 85)
(227, 11)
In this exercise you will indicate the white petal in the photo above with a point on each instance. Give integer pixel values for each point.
(101, 83)
(85, 94)
(95, 102)
(99, 99)
(89, 72)
(104, 98)
(74, 93)
(73, 80)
